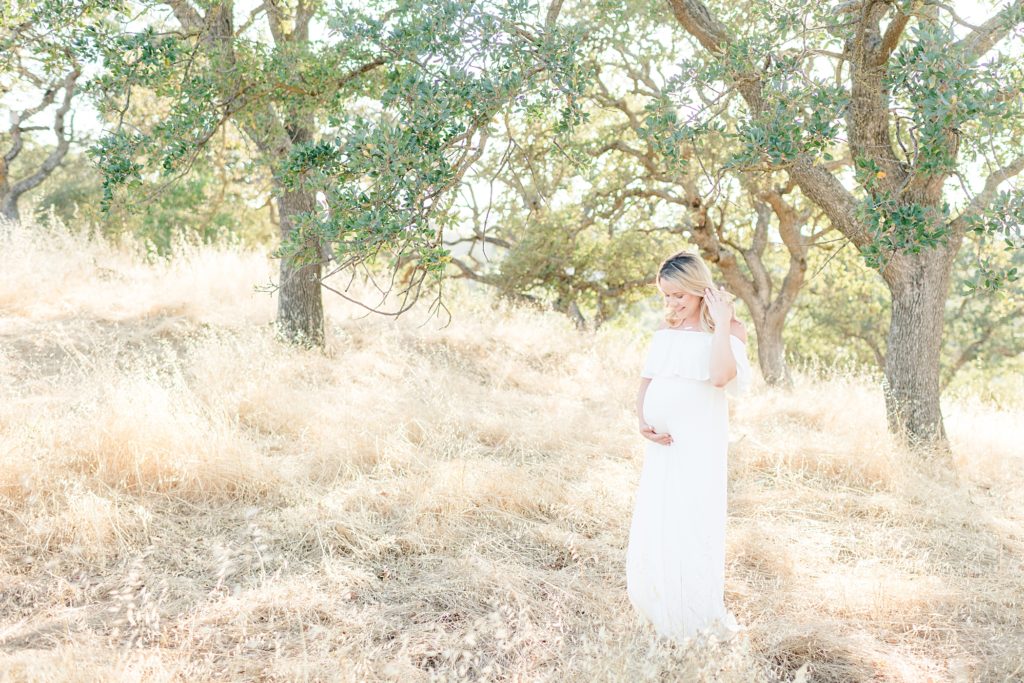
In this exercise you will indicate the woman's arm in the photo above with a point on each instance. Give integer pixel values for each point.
(644, 383)
(723, 364)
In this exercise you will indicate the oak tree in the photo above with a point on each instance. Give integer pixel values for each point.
(379, 106)
(922, 101)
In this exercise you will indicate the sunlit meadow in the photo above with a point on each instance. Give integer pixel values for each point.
(182, 498)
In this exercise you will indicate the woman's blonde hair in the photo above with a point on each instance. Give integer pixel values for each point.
(691, 274)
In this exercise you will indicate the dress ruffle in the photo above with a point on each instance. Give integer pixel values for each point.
(687, 355)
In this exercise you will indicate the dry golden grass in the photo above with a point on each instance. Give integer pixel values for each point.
(183, 499)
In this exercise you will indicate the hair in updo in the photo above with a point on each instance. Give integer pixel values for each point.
(690, 274)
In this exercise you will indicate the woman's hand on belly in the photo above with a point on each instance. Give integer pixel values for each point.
(647, 431)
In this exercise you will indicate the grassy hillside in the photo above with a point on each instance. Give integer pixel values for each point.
(181, 498)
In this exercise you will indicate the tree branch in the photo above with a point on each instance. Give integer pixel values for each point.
(984, 198)
(16, 120)
(982, 39)
(704, 236)
(868, 114)
(63, 141)
(838, 203)
(469, 273)
(554, 9)
(353, 74)
(698, 22)
(972, 350)
(754, 256)
(892, 36)
(262, 7)
(789, 230)
(187, 15)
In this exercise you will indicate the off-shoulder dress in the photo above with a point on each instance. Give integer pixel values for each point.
(675, 559)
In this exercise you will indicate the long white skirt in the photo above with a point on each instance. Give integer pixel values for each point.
(675, 560)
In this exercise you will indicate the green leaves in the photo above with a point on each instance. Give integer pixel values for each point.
(936, 89)
(1000, 226)
(115, 156)
(896, 223)
(452, 67)
(899, 226)
(801, 117)
(667, 135)
(383, 116)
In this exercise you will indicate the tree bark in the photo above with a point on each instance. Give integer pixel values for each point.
(300, 308)
(9, 206)
(919, 288)
(771, 351)
(8, 202)
(9, 210)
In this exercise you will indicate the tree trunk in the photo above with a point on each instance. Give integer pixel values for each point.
(8, 200)
(771, 352)
(9, 208)
(919, 284)
(300, 308)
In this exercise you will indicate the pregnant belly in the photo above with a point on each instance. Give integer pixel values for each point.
(676, 405)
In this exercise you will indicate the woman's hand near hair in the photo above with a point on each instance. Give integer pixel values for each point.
(720, 307)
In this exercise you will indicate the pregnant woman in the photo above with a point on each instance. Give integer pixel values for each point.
(675, 561)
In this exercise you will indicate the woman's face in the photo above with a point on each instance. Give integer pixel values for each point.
(683, 304)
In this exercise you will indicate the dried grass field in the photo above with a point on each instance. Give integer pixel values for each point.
(184, 499)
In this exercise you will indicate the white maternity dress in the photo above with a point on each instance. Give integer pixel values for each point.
(675, 560)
